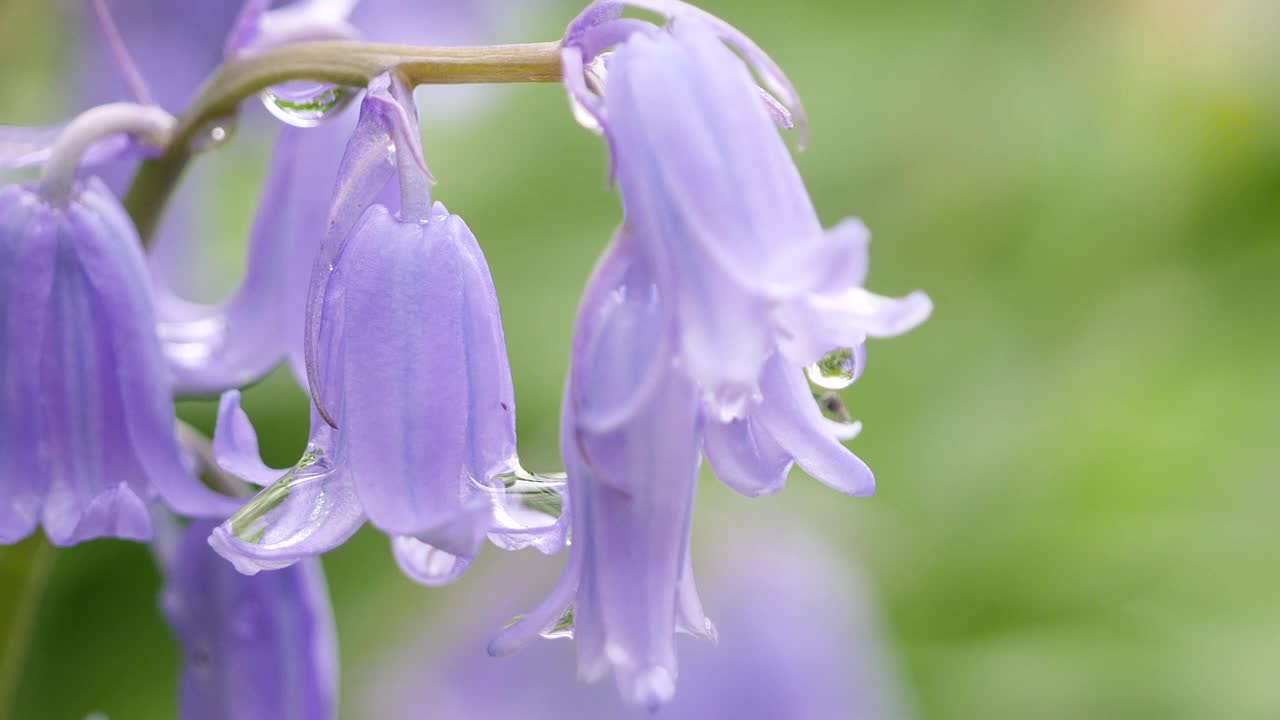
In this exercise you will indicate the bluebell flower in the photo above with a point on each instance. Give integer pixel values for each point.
(631, 453)
(86, 418)
(253, 648)
(413, 423)
(215, 347)
(718, 289)
(716, 204)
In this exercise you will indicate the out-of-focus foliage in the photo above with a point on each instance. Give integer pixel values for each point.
(1076, 455)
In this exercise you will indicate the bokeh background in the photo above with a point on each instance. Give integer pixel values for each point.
(1077, 455)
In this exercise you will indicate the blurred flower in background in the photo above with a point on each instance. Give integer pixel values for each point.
(799, 638)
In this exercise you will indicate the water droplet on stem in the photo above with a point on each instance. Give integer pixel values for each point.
(306, 104)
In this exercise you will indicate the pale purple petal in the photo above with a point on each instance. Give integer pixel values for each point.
(426, 564)
(407, 394)
(310, 511)
(491, 414)
(612, 314)
(789, 414)
(26, 273)
(235, 444)
(745, 457)
(117, 273)
(254, 648)
(368, 164)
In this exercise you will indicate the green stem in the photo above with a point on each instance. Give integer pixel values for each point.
(351, 64)
(24, 572)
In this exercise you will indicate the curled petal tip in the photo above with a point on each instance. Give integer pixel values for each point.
(225, 545)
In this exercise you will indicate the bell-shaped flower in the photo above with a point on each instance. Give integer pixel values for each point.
(715, 202)
(630, 438)
(87, 435)
(215, 347)
(413, 424)
(253, 648)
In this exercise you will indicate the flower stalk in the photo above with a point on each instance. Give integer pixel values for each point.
(24, 572)
(149, 123)
(343, 63)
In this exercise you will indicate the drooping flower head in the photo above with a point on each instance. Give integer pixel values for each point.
(718, 289)
(254, 648)
(86, 418)
(632, 461)
(413, 426)
(215, 347)
(711, 193)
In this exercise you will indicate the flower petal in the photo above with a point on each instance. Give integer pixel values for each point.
(407, 393)
(620, 304)
(235, 444)
(26, 275)
(637, 542)
(426, 564)
(309, 511)
(113, 266)
(254, 648)
(491, 415)
(789, 415)
(745, 457)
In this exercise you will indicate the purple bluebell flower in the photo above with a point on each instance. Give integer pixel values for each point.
(86, 421)
(630, 437)
(413, 424)
(716, 204)
(214, 347)
(254, 648)
(719, 287)
(801, 639)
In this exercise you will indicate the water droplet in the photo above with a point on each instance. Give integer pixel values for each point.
(250, 522)
(537, 492)
(835, 371)
(562, 629)
(596, 76)
(306, 104)
(214, 134)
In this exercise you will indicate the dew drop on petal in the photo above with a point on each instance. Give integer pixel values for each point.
(540, 492)
(835, 371)
(563, 628)
(306, 104)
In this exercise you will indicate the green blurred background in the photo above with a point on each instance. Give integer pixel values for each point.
(1076, 455)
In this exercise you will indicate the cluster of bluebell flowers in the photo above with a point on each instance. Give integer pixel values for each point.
(714, 310)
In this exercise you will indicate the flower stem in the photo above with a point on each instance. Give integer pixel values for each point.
(153, 125)
(351, 64)
(24, 572)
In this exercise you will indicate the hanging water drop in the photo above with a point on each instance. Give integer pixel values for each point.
(250, 522)
(214, 134)
(835, 371)
(306, 104)
(563, 627)
(534, 491)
